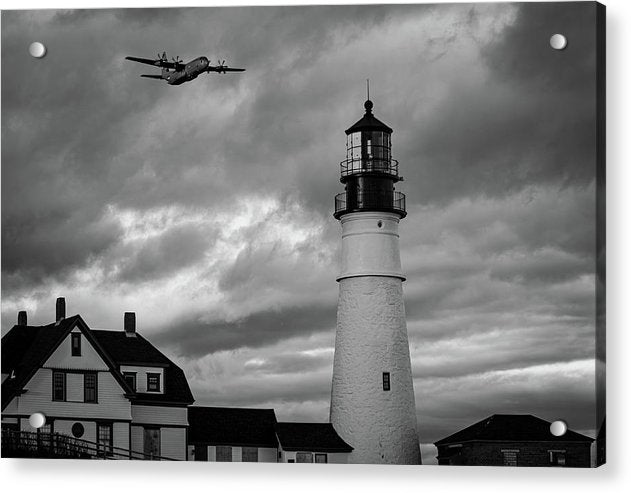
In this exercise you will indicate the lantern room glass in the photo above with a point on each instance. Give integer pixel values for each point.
(368, 151)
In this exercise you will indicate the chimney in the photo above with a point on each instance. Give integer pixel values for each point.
(61, 309)
(130, 324)
(22, 318)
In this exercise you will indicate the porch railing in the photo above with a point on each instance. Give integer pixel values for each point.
(59, 446)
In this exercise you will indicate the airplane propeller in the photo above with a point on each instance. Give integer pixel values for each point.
(222, 68)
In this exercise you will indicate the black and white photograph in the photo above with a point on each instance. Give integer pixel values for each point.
(327, 234)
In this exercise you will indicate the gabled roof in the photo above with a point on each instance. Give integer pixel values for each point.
(232, 426)
(130, 350)
(139, 351)
(26, 348)
(511, 428)
(310, 437)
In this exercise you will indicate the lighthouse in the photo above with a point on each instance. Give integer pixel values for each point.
(372, 395)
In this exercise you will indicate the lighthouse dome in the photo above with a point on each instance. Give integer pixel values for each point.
(369, 122)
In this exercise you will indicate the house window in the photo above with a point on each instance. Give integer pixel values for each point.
(130, 379)
(557, 458)
(90, 391)
(249, 454)
(320, 458)
(224, 453)
(77, 430)
(304, 457)
(153, 382)
(509, 457)
(75, 339)
(386, 381)
(104, 439)
(59, 386)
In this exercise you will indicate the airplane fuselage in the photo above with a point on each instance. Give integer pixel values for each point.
(190, 71)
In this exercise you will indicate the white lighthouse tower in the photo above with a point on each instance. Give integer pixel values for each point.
(372, 396)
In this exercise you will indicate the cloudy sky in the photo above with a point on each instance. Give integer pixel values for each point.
(207, 208)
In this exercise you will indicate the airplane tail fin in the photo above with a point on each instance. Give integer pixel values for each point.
(159, 77)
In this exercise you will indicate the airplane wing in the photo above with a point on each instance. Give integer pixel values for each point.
(157, 77)
(223, 69)
(156, 62)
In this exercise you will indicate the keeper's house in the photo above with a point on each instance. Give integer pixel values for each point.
(514, 440)
(110, 388)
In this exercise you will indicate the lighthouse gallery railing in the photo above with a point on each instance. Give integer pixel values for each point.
(389, 201)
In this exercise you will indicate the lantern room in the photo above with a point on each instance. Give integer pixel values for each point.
(369, 172)
(368, 146)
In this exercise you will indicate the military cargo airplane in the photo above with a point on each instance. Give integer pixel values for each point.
(177, 72)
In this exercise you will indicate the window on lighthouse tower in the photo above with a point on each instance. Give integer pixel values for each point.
(386, 381)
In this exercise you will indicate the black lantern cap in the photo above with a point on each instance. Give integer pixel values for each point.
(369, 122)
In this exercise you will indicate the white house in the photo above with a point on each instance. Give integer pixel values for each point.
(113, 389)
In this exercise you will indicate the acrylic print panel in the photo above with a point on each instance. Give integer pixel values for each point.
(209, 252)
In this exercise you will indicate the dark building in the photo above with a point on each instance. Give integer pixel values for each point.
(229, 434)
(514, 440)
(311, 443)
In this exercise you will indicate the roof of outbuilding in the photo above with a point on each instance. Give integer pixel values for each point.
(368, 122)
(26, 348)
(512, 428)
(232, 426)
(315, 437)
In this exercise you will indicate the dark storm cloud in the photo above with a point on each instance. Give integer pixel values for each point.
(544, 266)
(197, 337)
(59, 241)
(285, 389)
(61, 142)
(176, 249)
(530, 120)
